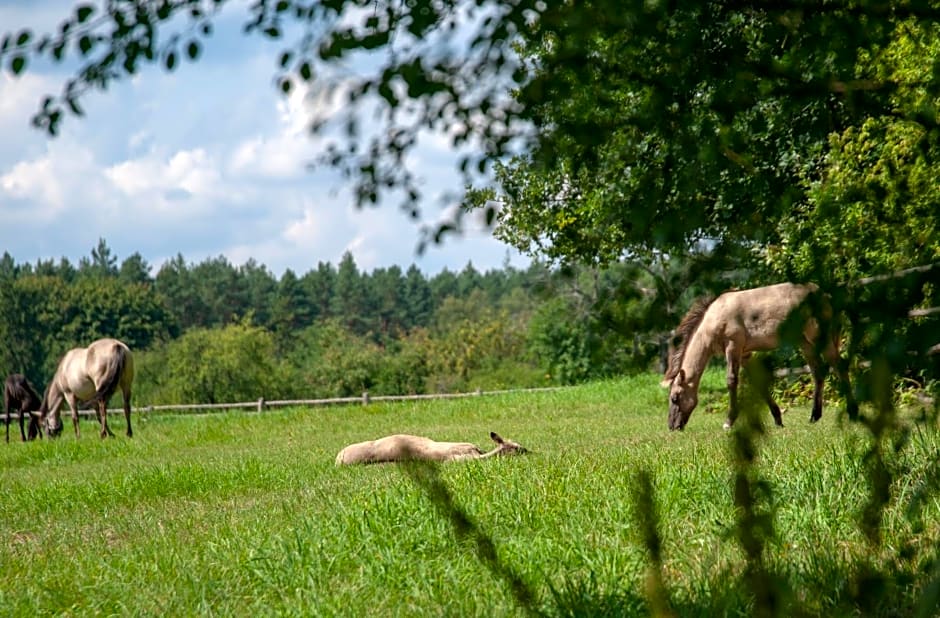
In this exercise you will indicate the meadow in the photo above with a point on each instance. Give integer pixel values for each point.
(245, 514)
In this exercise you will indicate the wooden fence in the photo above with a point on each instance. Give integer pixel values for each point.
(261, 404)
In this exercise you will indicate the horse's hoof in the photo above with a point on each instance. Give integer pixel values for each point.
(813, 419)
(726, 426)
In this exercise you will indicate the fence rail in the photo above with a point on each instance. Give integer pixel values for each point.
(262, 404)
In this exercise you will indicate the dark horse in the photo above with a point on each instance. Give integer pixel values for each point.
(19, 395)
(90, 374)
(741, 322)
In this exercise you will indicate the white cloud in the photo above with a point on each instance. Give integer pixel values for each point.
(193, 172)
(52, 181)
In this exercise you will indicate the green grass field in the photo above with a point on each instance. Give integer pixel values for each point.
(246, 514)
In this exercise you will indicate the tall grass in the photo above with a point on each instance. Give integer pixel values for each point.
(245, 514)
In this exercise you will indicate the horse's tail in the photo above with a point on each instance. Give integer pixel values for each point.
(7, 397)
(113, 377)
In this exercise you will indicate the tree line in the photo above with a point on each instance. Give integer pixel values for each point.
(213, 332)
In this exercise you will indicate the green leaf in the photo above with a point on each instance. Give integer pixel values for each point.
(286, 57)
(286, 85)
(23, 38)
(18, 64)
(192, 50)
(83, 12)
(490, 215)
(170, 61)
(305, 71)
(73, 105)
(85, 44)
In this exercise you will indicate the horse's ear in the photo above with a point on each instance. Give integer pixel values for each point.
(496, 438)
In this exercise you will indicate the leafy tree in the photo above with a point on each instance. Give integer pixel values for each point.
(873, 209)
(386, 291)
(416, 298)
(348, 302)
(468, 280)
(107, 307)
(333, 361)
(175, 284)
(221, 298)
(403, 369)
(33, 312)
(258, 289)
(225, 365)
(318, 285)
(8, 267)
(560, 344)
(291, 311)
(101, 264)
(443, 285)
(470, 337)
(135, 269)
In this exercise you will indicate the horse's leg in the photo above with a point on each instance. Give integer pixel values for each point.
(819, 376)
(835, 361)
(127, 412)
(73, 406)
(733, 360)
(103, 417)
(769, 398)
(22, 431)
(34, 430)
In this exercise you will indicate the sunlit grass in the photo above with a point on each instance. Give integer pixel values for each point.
(245, 514)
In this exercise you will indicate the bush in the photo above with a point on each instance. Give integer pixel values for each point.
(231, 364)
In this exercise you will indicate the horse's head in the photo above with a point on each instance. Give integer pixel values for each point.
(683, 397)
(53, 425)
(507, 447)
(49, 417)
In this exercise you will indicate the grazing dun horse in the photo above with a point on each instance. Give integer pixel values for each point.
(403, 447)
(741, 322)
(90, 374)
(19, 395)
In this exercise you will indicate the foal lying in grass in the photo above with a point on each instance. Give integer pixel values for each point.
(402, 447)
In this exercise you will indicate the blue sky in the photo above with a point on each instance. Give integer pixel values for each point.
(208, 160)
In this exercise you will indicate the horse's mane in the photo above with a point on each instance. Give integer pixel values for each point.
(683, 334)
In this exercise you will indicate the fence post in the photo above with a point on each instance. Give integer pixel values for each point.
(365, 398)
(261, 404)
